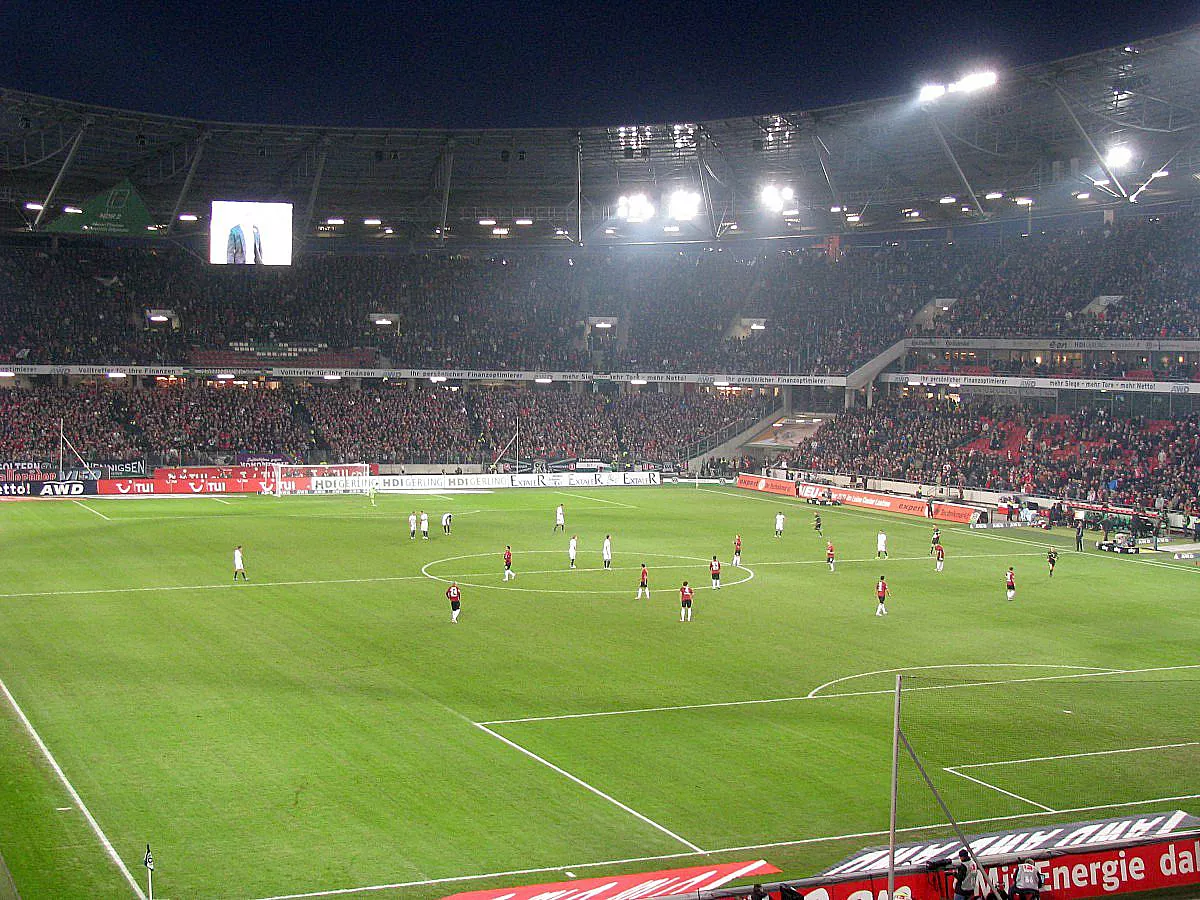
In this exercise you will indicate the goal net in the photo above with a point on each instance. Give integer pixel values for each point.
(348, 478)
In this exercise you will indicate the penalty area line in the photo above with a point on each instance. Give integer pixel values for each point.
(599, 500)
(998, 790)
(741, 849)
(74, 794)
(94, 512)
(595, 790)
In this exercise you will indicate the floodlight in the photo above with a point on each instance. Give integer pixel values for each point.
(965, 209)
(158, 317)
(993, 195)
(948, 200)
(1161, 173)
(437, 379)
(610, 231)
(931, 92)
(772, 198)
(683, 206)
(225, 376)
(1082, 195)
(372, 222)
(671, 229)
(853, 218)
(732, 226)
(1119, 156)
(544, 380)
(787, 193)
(603, 325)
(499, 232)
(8, 374)
(634, 208)
(1024, 201)
(835, 209)
(973, 82)
(73, 210)
(34, 207)
(720, 384)
(183, 217)
(116, 374)
(335, 221)
(522, 221)
(487, 222)
(913, 214)
(758, 326)
(387, 231)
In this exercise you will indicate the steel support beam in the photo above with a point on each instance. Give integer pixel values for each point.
(714, 227)
(448, 173)
(579, 188)
(937, 130)
(62, 171)
(311, 206)
(187, 181)
(1108, 173)
(823, 159)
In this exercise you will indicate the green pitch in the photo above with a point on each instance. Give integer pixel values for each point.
(325, 726)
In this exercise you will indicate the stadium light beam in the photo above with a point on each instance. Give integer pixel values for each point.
(993, 195)
(72, 210)
(931, 92)
(1118, 157)
(188, 217)
(683, 206)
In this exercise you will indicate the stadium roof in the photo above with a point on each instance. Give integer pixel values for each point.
(1041, 132)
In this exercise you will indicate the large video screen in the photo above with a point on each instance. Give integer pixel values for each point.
(250, 234)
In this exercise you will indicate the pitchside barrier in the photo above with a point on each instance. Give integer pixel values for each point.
(913, 506)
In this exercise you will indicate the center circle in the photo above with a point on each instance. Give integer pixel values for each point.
(747, 572)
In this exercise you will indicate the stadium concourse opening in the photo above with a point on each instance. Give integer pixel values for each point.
(459, 510)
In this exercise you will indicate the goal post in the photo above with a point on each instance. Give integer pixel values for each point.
(345, 478)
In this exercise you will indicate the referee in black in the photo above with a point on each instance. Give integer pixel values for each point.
(1079, 535)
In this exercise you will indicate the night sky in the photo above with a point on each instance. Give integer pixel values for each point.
(532, 64)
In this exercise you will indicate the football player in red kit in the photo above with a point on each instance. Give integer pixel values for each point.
(829, 556)
(644, 585)
(714, 569)
(455, 597)
(882, 592)
(939, 554)
(1010, 583)
(508, 572)
(737, 550)
(685, 603)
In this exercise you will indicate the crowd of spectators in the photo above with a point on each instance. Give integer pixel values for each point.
(1091, 455)
(183, 423)
(676, 311)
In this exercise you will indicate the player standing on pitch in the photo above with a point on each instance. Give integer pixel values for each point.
(508, 572)
(882, 592)
(1010, 583)
(412, 525)
(644, 586)
(238, 567)
(737, 551)
(779, 520)
(447, 521)
(560, 519)
(606, 552)
(714, 569)
(935, 540)
(573, 548)
(454, 596)
(881, 545)
(424, 525)
(829, 556)
(685, 603)
(939, 554)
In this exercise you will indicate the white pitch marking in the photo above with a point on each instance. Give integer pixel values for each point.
(822, 687)
(221, 500)
(598, 500)
(744, 848)
(934, 687)
(595, 790)
(94, 512)
(63, 808)
(998, 790)
(241, 586)
(1013, 762)
(62, 777)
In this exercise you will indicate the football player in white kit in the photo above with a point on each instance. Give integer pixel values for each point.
(424, 525)
(779, 520)
(606, 552)
(412, 525)
(881, 545)
(560, 518)
(238, 566)
(573, 548)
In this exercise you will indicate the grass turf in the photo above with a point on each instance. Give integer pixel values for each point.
(316, 729)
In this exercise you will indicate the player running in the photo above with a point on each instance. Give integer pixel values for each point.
(560, 519)
(829, 555)
(817, 524)
(573, 549)
(447, 521)
(424, 525)
(412, 525)
(238, 567)
(714, 569)
(509, 574)
(454, 595)
(881, 545)
(882, 592)
(1010, 583)
(737, 551)
(606, 551)
(939, 555)
(780, 518)
(1051, 559)
(935, 540)
(685, 603)
(644, 585)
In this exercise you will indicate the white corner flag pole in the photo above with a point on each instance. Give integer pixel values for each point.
(148, 862)
(891, 875)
